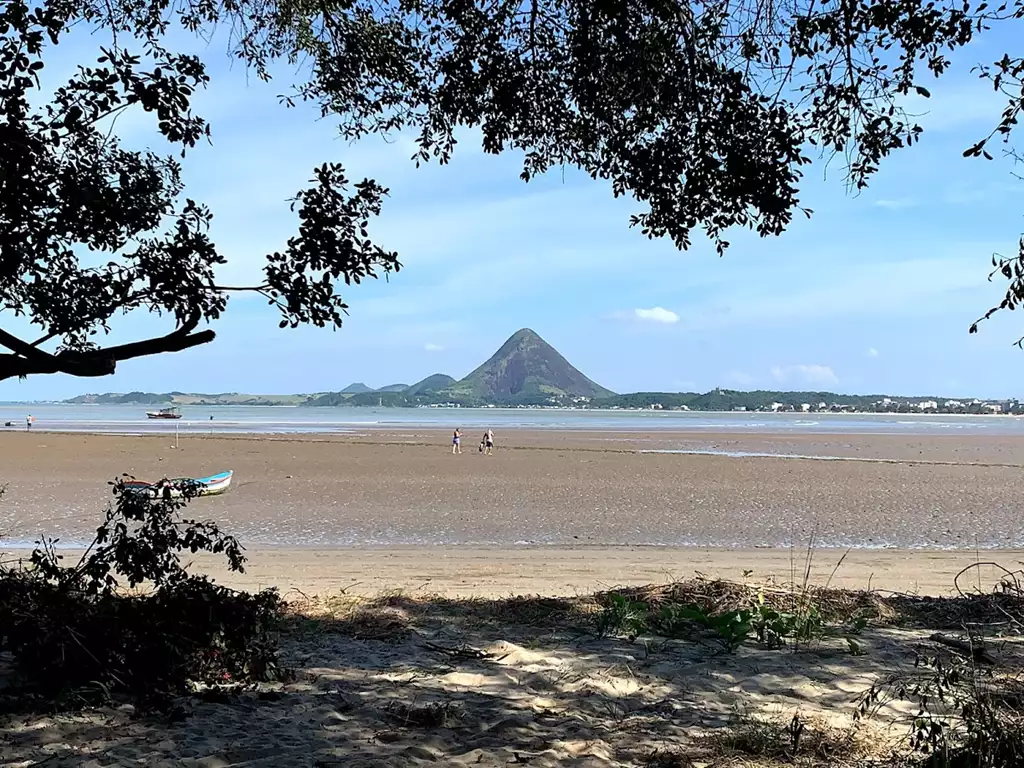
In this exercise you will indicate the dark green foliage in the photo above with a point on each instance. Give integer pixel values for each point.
(390, 399)
(705, 113)
(73, 630)
(67, 186)
(131, 398)
(433, 383)
(731, 628)
(754, 400)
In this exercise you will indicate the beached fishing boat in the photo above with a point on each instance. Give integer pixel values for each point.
(164, 413)
(206, 486)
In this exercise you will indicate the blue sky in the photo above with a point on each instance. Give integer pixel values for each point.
(874, 294)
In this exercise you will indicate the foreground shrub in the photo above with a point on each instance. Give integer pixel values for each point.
(967, 715)
(75, 630)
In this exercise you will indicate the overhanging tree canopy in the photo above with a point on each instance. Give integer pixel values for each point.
(89, 230)
(704, 112)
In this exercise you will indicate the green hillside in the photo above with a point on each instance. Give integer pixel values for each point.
(525, 369)
(433, 383)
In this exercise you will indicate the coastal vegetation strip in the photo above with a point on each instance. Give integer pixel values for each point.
(717, 400)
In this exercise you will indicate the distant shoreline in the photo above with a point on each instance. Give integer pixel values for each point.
(289, 422)
(552, 408)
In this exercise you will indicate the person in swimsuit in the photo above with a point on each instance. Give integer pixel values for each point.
(456, 442)
(489, 441)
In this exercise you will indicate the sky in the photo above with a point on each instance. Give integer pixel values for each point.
(873, 294)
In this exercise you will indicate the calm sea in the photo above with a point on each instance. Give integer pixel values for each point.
(121, 419)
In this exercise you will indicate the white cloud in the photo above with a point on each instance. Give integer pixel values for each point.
(872, 352)
(431, 347)
(804, 374)
(896, 204)
(658, 315)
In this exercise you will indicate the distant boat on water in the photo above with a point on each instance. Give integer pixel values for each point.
(165, 413)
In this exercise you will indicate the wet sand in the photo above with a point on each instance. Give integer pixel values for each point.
(556, 489)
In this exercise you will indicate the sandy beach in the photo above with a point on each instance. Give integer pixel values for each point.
(561, 489)
(551, 512)
(414, 653)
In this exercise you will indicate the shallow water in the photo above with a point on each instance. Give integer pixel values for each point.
(198, 419)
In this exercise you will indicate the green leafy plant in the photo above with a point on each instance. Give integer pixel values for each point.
(622, 615)
(732, 627)
(770, 626)
(73, 629)
(752, 617)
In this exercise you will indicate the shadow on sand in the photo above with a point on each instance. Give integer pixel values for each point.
(408, 681)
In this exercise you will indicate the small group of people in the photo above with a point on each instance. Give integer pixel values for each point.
(486, 442)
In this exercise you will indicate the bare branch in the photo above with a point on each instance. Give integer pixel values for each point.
(99, 362)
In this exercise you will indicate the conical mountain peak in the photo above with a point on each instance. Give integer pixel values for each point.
(524, 368)
(525, 334)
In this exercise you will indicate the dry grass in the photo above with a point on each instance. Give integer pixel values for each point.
(349, 615)
(761, 742)
(718, 596)
(798, 739)
(392, 614)
(1001, 608)
(433, 714)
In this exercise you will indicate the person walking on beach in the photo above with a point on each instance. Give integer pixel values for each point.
(489, 441)
(457, 441)
(29, 420)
